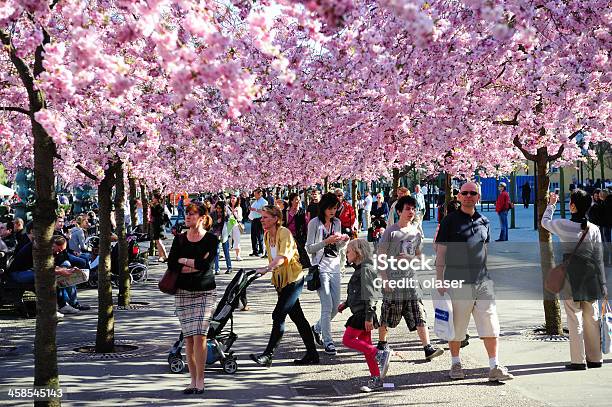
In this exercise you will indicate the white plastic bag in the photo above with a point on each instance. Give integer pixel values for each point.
(606, 327)
(443, 309)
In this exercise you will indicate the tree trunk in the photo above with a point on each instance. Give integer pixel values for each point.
(396, 180)
(133, 211)
(45, 348)
(552, 309)
(601, 150)
(562, 191)
(354, 194)
(145, 207)
(447, 188)
(325, 185)
(124, 274)
(105, 337)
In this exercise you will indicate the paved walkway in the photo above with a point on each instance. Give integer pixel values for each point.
(143, 378)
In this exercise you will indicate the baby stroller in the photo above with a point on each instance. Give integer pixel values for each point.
(219, 340)
(376, 230)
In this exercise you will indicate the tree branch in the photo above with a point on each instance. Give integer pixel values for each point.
(79, 167)
(519, 145)
(559, 152)
(22, 68)
(14, 109)
(87, 173)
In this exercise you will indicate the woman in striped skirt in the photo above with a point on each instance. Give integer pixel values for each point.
(193, 254)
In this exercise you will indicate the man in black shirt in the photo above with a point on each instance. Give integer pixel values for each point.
(21, 269)
(312, 211)
(462, 256)
(20, 233)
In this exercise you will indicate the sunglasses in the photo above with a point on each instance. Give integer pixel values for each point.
(471, 193)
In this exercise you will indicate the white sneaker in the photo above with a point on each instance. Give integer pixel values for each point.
(59, 315)
(375, 383)
(68, 309)
(238, 258)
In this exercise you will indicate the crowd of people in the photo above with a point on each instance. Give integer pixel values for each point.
(69, 253)
(294, 237)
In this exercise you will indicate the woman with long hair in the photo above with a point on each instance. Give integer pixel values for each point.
(323, 243)
(585, 279)
(192, 255)
(294, 219)
(288, 279)
(220, 217)
(157, 225)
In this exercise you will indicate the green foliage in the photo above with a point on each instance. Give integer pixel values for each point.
(3, 176)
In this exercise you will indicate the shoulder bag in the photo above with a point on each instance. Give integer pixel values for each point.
(556, 276)
(167, 284)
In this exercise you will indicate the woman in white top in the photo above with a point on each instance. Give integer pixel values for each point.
(585, 279)
(236, 211)
(323, 243)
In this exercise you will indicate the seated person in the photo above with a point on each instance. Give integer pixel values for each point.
(65, 263)
(76, 244)
(20, 233)
(59, 228)
(6, 233)
(21, 269)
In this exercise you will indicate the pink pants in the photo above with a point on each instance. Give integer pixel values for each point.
(362, 341)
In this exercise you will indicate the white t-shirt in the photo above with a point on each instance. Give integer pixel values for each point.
(368, 203)
(258, 204)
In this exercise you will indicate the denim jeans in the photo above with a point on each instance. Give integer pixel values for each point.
(81, 261)
(289, 304)
(329, 295)
(67, 295)
(503, 221)
(226, 253)
(23, 277)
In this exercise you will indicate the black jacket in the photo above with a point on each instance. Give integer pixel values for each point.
(596, 213)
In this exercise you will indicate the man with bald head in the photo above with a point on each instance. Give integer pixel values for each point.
(462, 256)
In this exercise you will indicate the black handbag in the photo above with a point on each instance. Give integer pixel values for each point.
(313, 280)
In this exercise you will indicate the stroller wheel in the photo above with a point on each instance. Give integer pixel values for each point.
(230, 366)
(177, 365)
(138, 271)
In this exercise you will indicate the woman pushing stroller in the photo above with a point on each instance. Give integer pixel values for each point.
(288, 279)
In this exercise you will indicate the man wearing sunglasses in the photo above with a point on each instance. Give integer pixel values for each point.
(462, 256)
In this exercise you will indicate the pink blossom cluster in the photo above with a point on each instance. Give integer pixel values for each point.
(208, 95)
